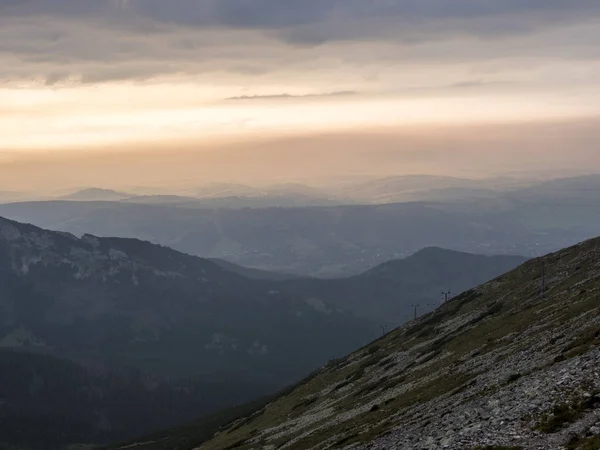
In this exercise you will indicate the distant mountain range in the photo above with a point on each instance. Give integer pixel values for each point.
(428, 187)
(394, 189)
(333, 241)
(95, 194)
(217, 196)
(235, 202)
(12, 196)
(123, 303)
(385, 190)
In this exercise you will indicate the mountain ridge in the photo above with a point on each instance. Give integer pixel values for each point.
(128, 303)
(392, 292)
(95, 194)
(500, 366)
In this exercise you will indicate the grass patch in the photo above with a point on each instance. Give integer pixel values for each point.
(235, 445)
(306, 403)
(374, 349)
(565, 414)
(367, 389)
(345, 440)
(448, 310)
(590, 443)
(560, 416)
(370, 361)
(386, 361)
(341, 385)
(589, 338)
(392, 383)
(370, 419)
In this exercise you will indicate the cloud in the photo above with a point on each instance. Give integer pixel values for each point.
(471, 84)
(317, 21)
(81, 71)
(289, 96)
(318, 158)
(278, 14)
(359, 42)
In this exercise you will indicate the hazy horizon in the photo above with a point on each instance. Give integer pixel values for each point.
(121, 93)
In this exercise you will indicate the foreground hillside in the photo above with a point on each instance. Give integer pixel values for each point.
(500, 366)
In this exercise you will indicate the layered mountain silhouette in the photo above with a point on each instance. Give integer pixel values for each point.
(130, 304)
(330, 241)
(140, 311)
(152, 307)
(95, 194)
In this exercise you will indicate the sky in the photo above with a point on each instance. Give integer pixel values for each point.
(348, 84)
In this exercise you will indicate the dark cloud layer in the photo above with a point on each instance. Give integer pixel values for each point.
(106, 40)
(267, 13)
(286, 14)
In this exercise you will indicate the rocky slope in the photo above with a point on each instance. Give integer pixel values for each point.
(499, 367)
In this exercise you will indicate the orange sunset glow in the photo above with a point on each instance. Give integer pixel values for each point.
(119, 77)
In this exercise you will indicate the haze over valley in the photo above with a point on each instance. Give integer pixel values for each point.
(309, 231)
